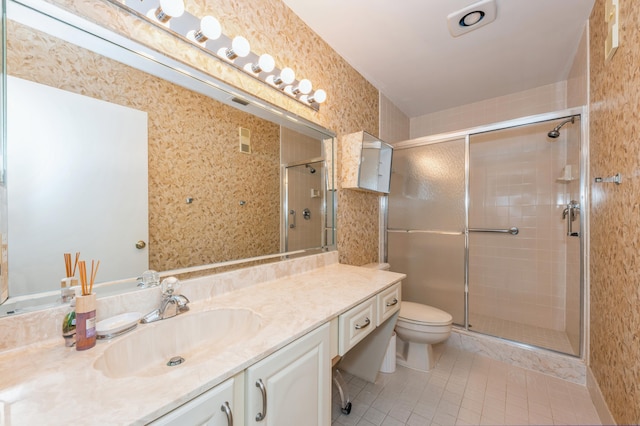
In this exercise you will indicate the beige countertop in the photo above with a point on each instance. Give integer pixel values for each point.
(47, 383)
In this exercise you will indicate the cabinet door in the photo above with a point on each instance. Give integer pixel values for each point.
(296, 381)
(210, 408)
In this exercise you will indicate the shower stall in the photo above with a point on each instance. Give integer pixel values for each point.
(488, 225)
(304, 205)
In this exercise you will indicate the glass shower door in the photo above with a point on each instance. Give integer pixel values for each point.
(526, 286)
(426, 224)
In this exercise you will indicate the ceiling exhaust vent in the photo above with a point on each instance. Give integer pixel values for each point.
(472, 17)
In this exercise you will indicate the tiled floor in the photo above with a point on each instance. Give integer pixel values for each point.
(529, 334)
(465, 389)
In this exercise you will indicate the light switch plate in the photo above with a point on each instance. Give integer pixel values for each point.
(611, 17)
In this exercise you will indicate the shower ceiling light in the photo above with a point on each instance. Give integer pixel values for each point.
(472, 17)
(207, 35)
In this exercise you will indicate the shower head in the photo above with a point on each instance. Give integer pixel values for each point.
(556, 131)
(311, 169)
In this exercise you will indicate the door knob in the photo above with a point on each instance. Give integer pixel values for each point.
(140, 245)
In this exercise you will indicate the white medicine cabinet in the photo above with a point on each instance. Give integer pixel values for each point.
(366, 163)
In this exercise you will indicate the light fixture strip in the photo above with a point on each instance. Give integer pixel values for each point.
(186, 25)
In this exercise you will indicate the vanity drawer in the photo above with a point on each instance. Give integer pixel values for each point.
(355, 324)
(388, 302)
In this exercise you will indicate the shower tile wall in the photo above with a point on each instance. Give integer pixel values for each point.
(513, 183)
(394, 124)
(551, 97)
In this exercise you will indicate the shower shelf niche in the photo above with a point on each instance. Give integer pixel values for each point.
(567, 175)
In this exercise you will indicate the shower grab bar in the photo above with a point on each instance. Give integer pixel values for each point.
(512, 231)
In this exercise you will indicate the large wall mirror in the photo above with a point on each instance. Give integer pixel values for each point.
(119, 153)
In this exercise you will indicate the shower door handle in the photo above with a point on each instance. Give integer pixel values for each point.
(292, 224)
(569, 213)
(512, 230)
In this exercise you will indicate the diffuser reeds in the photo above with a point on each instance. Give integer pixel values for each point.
(87, 286)
(71, 270)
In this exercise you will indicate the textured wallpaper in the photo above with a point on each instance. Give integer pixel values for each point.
(352, 102)
(615, 218)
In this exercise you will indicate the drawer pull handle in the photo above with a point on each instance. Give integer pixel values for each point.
(392, 303)
(260, 416)
(227, 410)
(367, 321)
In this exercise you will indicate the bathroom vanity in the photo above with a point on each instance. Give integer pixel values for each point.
(287, 318)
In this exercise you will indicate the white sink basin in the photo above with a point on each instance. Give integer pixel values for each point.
(192, 335)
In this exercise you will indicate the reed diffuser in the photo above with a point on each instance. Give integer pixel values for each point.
(86, 308)
(66, 284)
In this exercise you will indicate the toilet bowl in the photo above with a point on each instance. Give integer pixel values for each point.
(418, 328)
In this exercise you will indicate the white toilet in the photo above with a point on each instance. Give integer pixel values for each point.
(418, 327)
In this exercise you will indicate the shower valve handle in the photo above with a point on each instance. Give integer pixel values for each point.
(569, 214)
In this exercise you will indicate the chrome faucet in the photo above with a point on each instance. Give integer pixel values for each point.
(170, 305)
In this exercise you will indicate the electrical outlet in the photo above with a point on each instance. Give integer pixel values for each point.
(611, 12)
(245, 140)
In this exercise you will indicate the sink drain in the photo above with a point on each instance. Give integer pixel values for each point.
(176, 360)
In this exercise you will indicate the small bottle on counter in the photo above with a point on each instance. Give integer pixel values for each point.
(69, 324)
(67, 286)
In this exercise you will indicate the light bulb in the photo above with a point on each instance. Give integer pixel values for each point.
(209, 29)
(239, 48)
(266, 63)
(319, 96)
(303, 87)
(287, 76)
(169, 9)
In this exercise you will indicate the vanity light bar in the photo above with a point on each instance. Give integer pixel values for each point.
(206, 34)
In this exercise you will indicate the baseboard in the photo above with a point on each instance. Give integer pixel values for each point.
(598, 399)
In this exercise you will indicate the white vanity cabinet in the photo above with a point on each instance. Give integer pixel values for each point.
(293, 385)
(221, 406)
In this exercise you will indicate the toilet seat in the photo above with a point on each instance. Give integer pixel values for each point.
(419, 314)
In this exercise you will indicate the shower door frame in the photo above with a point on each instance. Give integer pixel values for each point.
(583, 113)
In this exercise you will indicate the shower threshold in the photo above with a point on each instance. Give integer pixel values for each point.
(555, 340)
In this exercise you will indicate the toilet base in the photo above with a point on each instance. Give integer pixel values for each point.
(417, 356)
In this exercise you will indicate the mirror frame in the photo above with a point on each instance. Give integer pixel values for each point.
(79, 31)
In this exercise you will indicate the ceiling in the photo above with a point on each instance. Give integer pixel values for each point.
(405, 50)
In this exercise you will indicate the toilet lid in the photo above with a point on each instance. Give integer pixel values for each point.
(418, 312)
